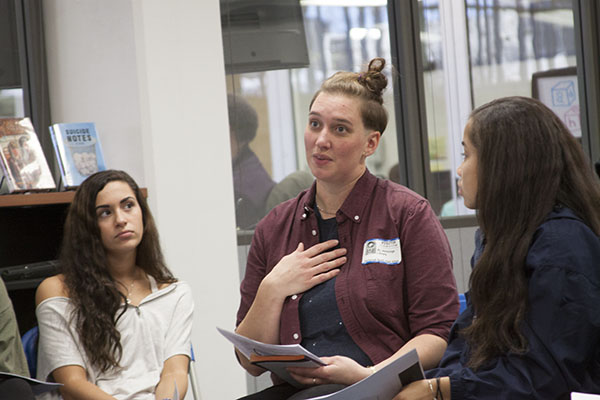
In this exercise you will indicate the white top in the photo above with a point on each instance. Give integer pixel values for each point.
(157, 329)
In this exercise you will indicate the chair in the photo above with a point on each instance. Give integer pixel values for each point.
(192, 374)
(462, 300)
(30, 341)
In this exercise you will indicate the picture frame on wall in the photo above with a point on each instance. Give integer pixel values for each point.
(558, 89)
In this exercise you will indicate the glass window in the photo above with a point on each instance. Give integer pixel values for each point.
(11, 92)
(277, 54)
(478, 50)
(11, 103)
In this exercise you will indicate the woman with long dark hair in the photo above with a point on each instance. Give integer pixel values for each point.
(531, 329)
(114, 323)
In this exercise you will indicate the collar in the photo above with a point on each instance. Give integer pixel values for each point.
(559, 211)
(156, 293)
(354, 205)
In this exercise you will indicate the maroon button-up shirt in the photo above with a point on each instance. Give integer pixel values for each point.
(383, 306)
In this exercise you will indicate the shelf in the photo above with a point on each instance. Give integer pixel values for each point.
(36, 199)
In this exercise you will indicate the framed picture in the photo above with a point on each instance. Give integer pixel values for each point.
(557, 89)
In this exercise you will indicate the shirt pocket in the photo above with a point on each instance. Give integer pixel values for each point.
(384, 288)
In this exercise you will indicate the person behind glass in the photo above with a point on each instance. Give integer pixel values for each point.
(356, 269)
(531, 329)
(115, 324)
(251, 182)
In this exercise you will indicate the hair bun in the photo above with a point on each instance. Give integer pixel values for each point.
(373, 79)
(376, 64)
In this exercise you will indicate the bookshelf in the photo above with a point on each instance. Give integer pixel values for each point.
(31, 232)
(35, 199)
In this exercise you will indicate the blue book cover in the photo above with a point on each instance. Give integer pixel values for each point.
(78, 150)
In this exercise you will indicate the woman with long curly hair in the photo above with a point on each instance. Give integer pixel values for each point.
(531, 329)
(115, 323)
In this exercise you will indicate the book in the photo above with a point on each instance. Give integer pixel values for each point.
(274, 357)
(383, 384)
(78, 151)
(256, 359)
(22, 160)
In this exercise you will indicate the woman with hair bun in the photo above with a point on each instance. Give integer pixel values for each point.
(356, 269)
(115, 323)
(531, 329)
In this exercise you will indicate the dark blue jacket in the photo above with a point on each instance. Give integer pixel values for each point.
(562, 324)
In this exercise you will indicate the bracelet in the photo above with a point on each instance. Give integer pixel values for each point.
(440, 395)
(431, 388)
(373, 370)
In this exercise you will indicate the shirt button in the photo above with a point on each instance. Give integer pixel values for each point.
(303, 215)
(356, 217)
(295, 336)
(294, 297)
(314, 232)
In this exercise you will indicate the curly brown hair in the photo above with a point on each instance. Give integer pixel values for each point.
(83, 262)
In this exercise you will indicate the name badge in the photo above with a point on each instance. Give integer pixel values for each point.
(384, 251)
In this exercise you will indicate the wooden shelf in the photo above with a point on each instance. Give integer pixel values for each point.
(37, 199)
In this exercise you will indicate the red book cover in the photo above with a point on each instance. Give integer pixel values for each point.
(21, 157)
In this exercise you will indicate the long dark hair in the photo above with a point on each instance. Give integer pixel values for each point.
(92, 290)
(527, 163)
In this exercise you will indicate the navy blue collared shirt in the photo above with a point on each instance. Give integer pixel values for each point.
(562, 324)
(321, 324)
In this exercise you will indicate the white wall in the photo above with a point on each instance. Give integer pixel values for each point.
(92, 75)
(188, 166)
(150, 74)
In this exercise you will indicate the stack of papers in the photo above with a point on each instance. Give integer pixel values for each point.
(382, 385)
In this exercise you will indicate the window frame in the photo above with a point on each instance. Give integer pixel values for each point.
(34, 72)
(413, 153)
(413, 150)
(587, 43)
(409, 96)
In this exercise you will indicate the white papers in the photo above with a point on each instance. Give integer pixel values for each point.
(584, 396)
(383, 384)
(37, 386)
(248, 346)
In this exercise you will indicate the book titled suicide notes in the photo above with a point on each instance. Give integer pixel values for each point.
(78, 151)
